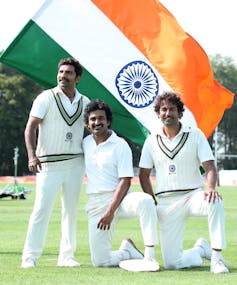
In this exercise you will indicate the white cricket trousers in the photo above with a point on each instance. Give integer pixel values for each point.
(172, 215)
(134, 205)
(66, 176)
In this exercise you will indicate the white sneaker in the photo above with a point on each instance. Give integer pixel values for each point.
(140, 265)
(128, 245)
(68, 263)
(28, 263)
(218, 266)
(203, 244)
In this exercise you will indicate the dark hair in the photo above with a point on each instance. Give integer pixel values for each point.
(73, 62)
(97, 105)
(170, 97)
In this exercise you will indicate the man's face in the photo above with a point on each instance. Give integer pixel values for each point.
(67, 77)
(168, 114)
(98, 123)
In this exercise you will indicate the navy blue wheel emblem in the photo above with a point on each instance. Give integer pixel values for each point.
(137, 84)
(172, 168)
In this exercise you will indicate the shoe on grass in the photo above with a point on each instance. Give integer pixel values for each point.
(204, 245)
(218, 266)
(28, 263)
(129, 246)
(68, 263)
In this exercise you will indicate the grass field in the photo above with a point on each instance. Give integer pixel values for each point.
(14, 216)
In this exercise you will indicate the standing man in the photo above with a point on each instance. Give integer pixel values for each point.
(177, 152)
(109, 169)
(58, 161)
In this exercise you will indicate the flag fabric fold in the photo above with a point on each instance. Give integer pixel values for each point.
(131, 52)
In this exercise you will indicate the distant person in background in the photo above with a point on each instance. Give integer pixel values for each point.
(109, 168)
(177, 152)
(58, 161)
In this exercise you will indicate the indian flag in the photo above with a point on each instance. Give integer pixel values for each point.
(131, 51)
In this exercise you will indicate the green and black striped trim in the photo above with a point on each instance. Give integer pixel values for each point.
(172, 153)
(70, 120)
(174, 191)
(58, 157)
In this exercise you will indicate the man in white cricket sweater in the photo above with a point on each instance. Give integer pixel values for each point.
(177, 152)
(57, 159)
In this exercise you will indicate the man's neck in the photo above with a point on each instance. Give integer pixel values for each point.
(102, 138)
(70, 93)
(171, 131)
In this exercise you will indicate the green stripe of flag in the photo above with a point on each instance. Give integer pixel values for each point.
(33, 47)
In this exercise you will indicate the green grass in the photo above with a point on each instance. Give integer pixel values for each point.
(14, 216)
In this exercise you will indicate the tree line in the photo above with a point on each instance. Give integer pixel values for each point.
(17, 93)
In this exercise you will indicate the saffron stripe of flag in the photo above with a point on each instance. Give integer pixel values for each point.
(180, 60)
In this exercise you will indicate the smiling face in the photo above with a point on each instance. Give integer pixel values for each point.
(67, 78)
(98, 124)
(169, 114)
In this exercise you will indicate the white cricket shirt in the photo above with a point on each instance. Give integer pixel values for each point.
(106, 163)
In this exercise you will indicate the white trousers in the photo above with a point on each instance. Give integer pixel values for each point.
(172, 215)
(134, 205)
(68, 177)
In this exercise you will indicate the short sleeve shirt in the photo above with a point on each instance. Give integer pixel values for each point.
(106, 163)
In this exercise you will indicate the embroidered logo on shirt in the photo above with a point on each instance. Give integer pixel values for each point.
(172, 168)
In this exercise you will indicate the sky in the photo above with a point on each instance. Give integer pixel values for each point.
(211, 23)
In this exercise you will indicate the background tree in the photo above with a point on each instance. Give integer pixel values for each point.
(16, 95)
(225, 71)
